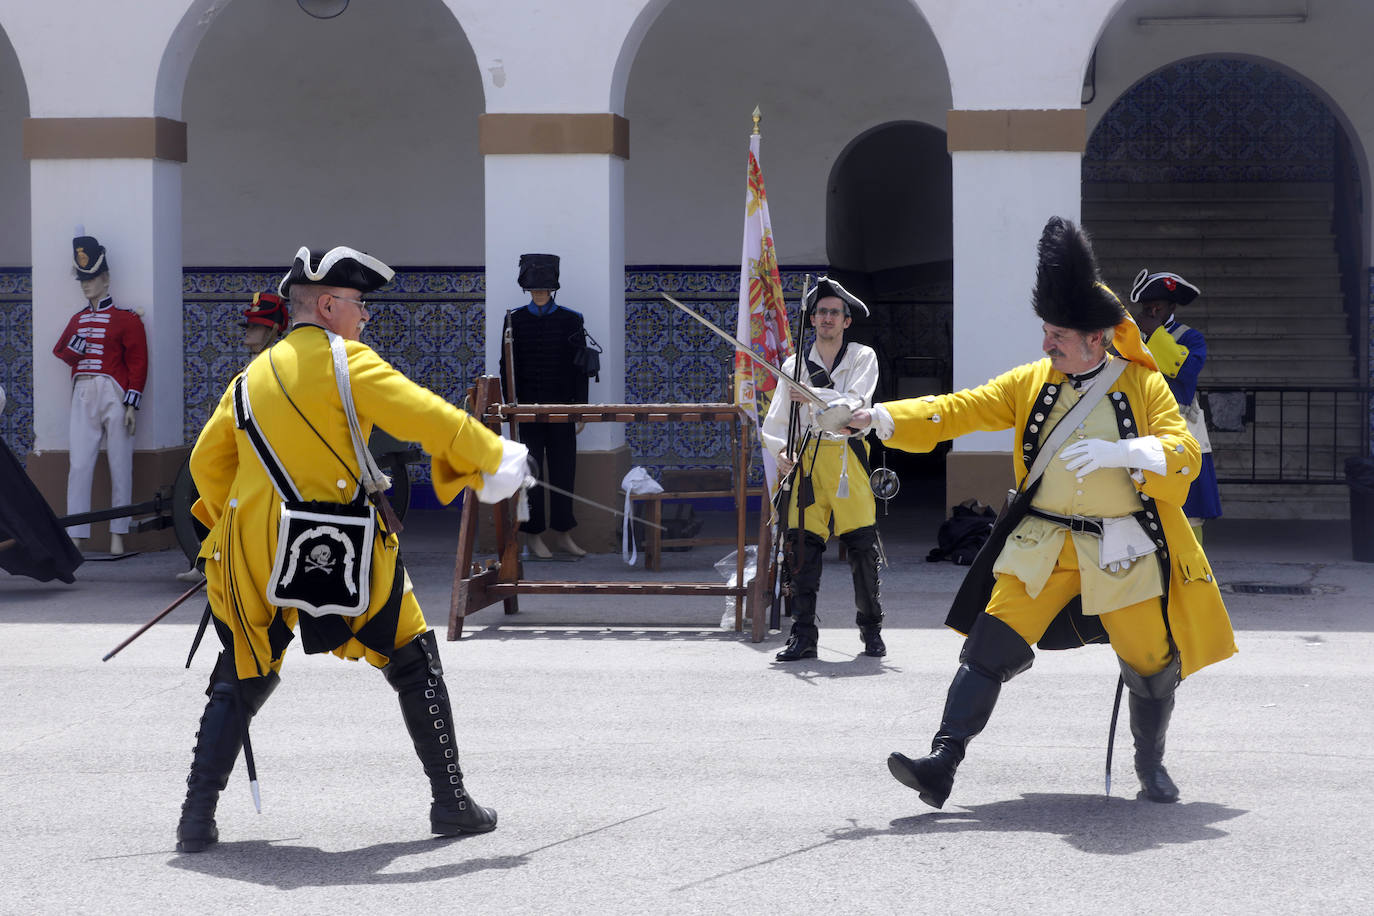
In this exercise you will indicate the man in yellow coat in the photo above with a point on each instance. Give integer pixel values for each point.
(280, 443)
(1096, 547)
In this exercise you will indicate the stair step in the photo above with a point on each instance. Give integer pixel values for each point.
(1221, 209)
(1289, 287)
(1262, 305)
(1159, 254)
(1199, 269)
(1292, 501)
(1205, 190)
(1264, 371)
(1121, 225)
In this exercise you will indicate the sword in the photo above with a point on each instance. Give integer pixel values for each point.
(592, 502)
(777, 373)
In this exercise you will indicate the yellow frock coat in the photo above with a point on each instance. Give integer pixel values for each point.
(1197, 617)
(242, 509)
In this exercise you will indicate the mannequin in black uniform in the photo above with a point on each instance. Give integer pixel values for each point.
(545, 340)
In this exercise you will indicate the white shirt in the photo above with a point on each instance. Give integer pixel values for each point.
(854, 379)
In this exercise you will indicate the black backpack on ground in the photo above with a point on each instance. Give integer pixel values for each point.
(963, 534)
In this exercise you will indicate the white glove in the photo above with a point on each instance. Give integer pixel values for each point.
(130, 418)
(513, 473)
(1088, 455)
(1119, 566)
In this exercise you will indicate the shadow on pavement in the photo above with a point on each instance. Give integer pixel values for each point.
(273, 864)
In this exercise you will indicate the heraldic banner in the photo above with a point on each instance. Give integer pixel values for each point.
(762, 312)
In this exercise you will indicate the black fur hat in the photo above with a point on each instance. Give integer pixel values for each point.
(538, 271)
(1069, 292)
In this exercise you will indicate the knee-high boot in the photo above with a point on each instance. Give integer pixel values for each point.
(231, 706)
(992, 654)
(862, 546)
(417, 675)
(804, 551)
(1151, 703)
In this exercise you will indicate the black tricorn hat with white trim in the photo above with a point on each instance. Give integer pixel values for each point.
(1162, 287)
(88, 257)
(538, 271)
(342, 266)
(1069, 291)
(825, 288)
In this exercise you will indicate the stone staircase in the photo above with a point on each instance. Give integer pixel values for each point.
(1264, 256)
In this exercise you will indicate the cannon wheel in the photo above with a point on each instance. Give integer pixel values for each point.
(190, 532)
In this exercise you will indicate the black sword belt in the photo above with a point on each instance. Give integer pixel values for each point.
(1078, 523)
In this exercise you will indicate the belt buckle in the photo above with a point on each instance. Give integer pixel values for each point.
(1076, 524)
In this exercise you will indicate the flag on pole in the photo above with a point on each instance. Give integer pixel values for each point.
(762, 311)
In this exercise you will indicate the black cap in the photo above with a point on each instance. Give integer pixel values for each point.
(88, 257)
(538, 271)
(1069, 291)
(826, 287)
(341, 266)
(1162, 287)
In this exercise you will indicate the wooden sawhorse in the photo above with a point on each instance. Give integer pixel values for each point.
(476, 588)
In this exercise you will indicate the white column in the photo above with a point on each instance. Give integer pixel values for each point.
(1001, 202)
(571, 205)
(133, 207)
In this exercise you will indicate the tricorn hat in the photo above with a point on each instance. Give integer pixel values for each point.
(269, 310)
(538, 271)
(88, 257)
(1069, 291)
(342, 266)
(826, 287)
(1162, 287)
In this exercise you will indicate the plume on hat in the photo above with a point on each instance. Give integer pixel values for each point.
(1069, 291)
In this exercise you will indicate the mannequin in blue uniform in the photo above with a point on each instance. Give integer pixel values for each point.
(1181, 352)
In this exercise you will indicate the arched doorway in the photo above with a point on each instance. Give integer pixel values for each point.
(1234, 173)
(359, 130)
(813, 76)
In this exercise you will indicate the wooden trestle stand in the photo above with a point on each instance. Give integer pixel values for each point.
(475, 588)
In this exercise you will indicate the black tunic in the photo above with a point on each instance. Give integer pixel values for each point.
(544, 347)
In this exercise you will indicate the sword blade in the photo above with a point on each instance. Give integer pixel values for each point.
(592, 502)
(777, 373)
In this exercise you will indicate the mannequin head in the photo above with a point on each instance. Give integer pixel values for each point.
(95, 288)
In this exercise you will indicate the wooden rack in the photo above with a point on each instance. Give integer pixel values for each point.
(475, 588)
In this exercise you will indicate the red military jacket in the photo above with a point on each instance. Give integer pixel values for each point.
(107, 340)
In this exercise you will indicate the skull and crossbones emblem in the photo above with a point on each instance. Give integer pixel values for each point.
(320, 559)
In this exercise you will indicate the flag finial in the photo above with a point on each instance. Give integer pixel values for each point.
(757, 116)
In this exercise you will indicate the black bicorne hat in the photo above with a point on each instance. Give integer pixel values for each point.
(342, 266)
(88, 257)
(538, 271)
(1162, 287)
(826, 287)
(1069, 292)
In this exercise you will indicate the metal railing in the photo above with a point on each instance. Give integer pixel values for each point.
(1286, 434)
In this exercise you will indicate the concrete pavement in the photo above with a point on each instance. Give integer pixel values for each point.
(644, 761)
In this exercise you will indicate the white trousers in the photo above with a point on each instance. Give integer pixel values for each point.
(98, 412)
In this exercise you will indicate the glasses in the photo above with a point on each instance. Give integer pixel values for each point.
(830, 313)
(358, 302)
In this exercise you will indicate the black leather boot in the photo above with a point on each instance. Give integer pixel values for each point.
(417, 675)
(232, 704)
(862, 546)
(992, 654)
(804, 560)
(1151, 703)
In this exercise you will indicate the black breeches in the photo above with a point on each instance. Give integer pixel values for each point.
(554, 447)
